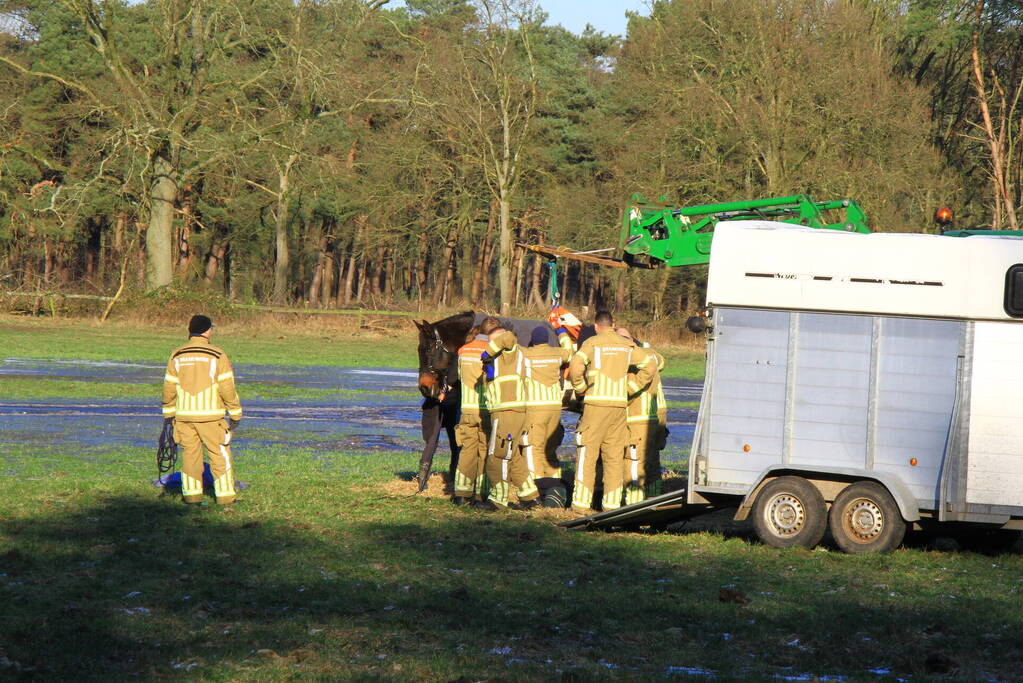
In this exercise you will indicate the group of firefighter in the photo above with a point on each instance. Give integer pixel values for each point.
(511, 404)
(510, 426)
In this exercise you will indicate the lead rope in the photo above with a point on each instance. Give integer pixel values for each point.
(166, 450)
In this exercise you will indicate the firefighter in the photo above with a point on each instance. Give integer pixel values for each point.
(506, 466)
(474, 425)
(545, 394)
(197, 387)
(646, 416)
(599, 372)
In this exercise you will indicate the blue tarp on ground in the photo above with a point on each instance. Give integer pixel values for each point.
(173, 480)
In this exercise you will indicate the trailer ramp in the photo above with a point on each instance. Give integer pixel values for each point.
(657, 512)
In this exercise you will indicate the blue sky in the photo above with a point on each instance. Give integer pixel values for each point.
(605, 15)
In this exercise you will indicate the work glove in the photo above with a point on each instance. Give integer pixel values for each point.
(167, 421)
(232, 424)
(564, 322)
(488, 365)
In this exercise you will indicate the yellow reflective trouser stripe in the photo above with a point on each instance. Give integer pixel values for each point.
(612, 499)
(633, 494)
(528, 487)
(224, 485)
(499, 493)
(582, 496)
(190, 486)
(463, 484)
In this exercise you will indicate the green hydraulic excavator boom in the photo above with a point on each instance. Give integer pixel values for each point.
(656, 233)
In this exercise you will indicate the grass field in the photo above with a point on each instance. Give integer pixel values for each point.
(329, 569)
(27, 388)
(266, 343)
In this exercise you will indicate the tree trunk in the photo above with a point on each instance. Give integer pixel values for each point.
(479, 275)
(421, 272)
(662, 287)
(187, 220)
(346, 295)
(448, 264)
(505, 253)
(535, 299)
(313, 293)
(389, 275)
(327, 283)
(213, 260)
(519, 257)
(1004, 203)
(159, 232)
(281, 262)
(620, 288)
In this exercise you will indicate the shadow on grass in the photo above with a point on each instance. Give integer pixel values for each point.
(133, 587)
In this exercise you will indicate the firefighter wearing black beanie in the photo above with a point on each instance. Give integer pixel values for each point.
(197, 388)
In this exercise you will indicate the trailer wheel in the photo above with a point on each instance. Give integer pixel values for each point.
(865, 519)
(790, 511)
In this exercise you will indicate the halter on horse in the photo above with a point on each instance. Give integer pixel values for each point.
(438, 344)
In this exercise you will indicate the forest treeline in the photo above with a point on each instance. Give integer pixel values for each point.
(336, 153)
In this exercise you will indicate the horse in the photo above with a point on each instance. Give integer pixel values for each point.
(438, 383)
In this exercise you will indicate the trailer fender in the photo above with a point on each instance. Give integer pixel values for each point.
(840, 475)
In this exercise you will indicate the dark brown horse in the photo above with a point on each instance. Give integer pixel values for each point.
(438, 344)
(438, 383)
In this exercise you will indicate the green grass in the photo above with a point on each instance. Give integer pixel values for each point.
(84, 340)
(26, 388)
(323, 572)
(684, 365)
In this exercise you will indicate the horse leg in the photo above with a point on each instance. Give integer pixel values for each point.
(431, 435)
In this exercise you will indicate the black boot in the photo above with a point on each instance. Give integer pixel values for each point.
(460, 501)
(485, 505)
(528, 504)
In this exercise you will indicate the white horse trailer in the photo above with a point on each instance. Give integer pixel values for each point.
(862, 382)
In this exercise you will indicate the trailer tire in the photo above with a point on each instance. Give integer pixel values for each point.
(866, 519)
(790, 511)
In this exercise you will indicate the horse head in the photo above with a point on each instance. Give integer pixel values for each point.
(438, 344)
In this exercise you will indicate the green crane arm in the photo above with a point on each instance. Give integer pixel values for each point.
(656, 233)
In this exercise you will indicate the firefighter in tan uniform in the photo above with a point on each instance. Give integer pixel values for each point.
(545, 395)
(506, 466)
(473, 428)
(197, 388)
(647, 417)
(599, 372)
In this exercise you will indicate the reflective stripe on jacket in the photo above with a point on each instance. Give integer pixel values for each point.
(649, 402)
(470, 374)
(543, 377)
(600, 369)
(505, 391)
(198, 384)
